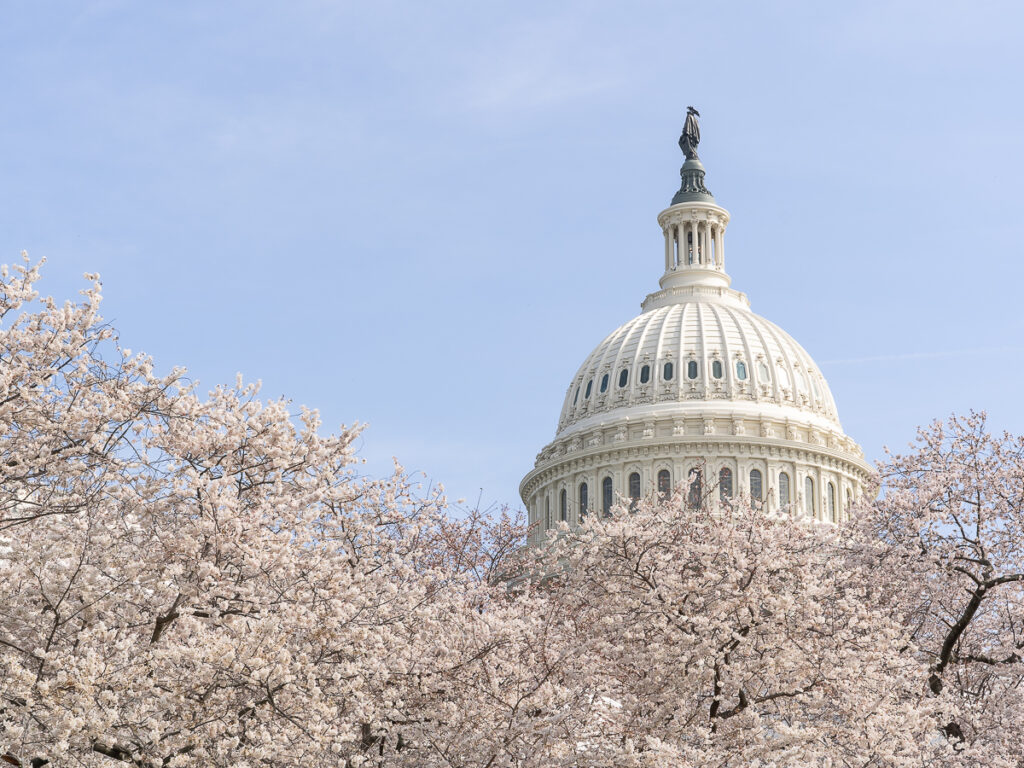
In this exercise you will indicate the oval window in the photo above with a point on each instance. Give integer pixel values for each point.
(691, 369)
(645, 374)
(762, 372)
(716, 369)
(604, 383)
(741, 370)
(590, 385)
(623, 377)
(669, 370)
(783, 375)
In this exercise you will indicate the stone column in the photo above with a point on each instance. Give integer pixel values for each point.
(668, 247)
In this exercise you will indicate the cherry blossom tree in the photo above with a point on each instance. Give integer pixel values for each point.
(190, 580)
(724, 636)
(952, 524)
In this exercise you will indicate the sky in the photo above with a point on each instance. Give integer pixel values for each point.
(422, 215)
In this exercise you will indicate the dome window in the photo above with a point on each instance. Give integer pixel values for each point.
(563, 505)
(832, 503)
(606, 497)
(583, 500)
(604, 383)
(668, 372)
(725, 483)
(645, 374)
(576, 397)
(623, 377)
(762, 372)
(691, 369)
(590, 385)
(783, 375)
(809, 496)
(755, 484)
(634, 490)
(783, 489)
(695, 494)
(664, 483)
(716, 369)
(741, 370)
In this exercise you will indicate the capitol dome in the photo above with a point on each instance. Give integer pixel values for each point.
(696, 394)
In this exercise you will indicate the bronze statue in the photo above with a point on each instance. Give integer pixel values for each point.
(691, 134)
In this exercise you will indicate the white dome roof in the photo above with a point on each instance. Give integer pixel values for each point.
(667, 358)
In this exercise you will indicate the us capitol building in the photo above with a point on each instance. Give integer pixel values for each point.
(696, 394)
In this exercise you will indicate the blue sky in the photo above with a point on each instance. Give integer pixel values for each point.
(423, 215)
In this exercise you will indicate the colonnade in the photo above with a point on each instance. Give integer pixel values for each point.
(695, 242)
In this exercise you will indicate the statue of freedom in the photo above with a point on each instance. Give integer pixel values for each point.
(691, 134)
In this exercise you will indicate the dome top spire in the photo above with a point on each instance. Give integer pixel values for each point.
(692, 173)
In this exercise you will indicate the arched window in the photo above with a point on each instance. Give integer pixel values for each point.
(725, 483)
(576, 397)
(691, 369)
(668, 372)
(645, 374)
(547, 512)
(695, 488)
(664, 483)
(755, 484)
(583, 500)
(716, 368)
(741, 370)
(604, 383)
(849, 499)
(623, 377)
(634, 490)
(783, 489)
(563, 505)
(590, 384)
(606, 497)
(809, 496)
(832, 503)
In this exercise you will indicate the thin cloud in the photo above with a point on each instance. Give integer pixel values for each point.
(922, 355)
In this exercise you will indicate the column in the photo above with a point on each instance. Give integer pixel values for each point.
(721, 246)
(668, 247)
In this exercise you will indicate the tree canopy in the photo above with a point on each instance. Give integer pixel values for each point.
(206, 579)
